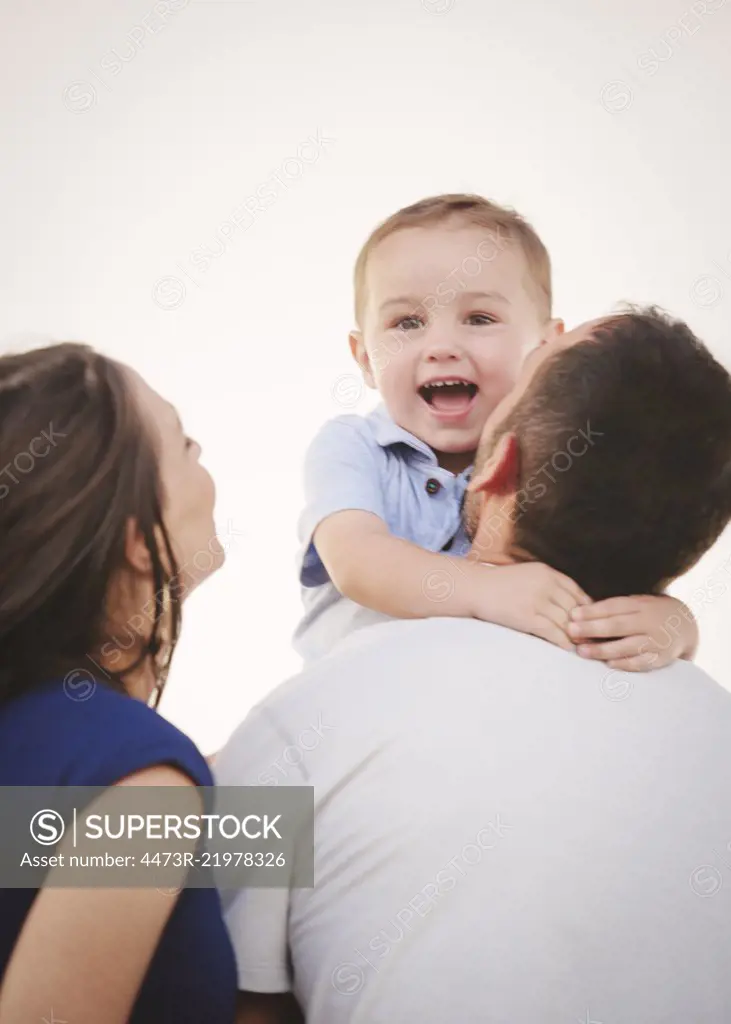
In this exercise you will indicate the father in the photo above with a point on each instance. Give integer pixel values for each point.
(505, 831)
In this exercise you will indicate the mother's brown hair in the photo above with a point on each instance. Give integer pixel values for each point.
(79, 465)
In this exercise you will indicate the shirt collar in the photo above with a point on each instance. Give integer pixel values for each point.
(387, 433)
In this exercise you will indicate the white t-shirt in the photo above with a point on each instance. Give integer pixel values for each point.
(504, 832)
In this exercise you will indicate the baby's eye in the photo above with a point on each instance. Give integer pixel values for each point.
(409, 323)
(480, 319)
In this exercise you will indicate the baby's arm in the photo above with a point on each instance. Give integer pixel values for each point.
(347, 541)
(372, 567)
(633, 634)
(377, 570)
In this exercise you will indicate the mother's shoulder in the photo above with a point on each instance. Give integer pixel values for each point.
(81, 700)
(91, 735)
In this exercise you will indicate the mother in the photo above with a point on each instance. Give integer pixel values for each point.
(103, 500)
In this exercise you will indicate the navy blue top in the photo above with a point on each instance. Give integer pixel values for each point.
(46, 739)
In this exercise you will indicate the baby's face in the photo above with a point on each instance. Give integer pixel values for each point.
(449, 314)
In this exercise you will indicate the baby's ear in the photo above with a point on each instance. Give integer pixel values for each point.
(359, 353)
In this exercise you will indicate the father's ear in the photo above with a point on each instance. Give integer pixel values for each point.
(499, 472)
(359, 353)
(555, 329)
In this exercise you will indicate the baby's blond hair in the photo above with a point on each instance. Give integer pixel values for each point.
(470, 210)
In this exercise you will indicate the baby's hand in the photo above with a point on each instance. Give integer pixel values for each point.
(638, 633)
(530, 597)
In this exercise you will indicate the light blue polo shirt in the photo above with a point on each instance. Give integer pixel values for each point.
(371, 464)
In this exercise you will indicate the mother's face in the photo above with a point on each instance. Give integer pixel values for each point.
(188, 489)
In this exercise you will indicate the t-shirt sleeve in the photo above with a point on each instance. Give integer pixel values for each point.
(342, 472)
(257, 917)
(257, 925)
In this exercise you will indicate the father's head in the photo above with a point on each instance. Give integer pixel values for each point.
(611, 459)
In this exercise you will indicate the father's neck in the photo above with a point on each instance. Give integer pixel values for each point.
(493, 540)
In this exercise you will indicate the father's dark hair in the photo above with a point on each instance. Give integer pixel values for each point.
(625, 451)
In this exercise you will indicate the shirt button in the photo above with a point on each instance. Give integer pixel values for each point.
(433, 486)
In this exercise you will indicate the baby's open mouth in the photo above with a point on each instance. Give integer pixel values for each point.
(449, 396)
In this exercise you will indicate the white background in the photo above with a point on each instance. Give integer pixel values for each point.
(130, 133)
